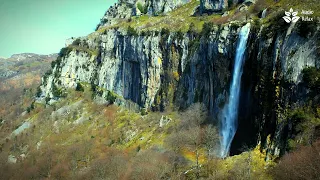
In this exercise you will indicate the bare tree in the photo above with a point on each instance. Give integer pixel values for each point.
(211, 140)
(301, 164)
(150, 164)
(195, 115)
(194, 141)
(111, 166)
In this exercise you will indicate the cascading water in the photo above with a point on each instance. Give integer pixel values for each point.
(229, 115)
(264, 13)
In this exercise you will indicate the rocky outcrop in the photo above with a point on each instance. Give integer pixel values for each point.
(213, 5)
(217, 6)
(164, 6)
(117, 13)
(125, 9)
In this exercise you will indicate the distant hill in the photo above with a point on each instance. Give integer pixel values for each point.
(19, 73)
(23, 69)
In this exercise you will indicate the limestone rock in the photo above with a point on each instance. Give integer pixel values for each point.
(212, 5)
(12, 159)
(164, 121)
(38, 145)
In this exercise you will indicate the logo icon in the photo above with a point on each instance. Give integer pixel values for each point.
(288, 17)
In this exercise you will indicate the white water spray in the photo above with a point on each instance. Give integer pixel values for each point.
(264, 13)
(229, 115)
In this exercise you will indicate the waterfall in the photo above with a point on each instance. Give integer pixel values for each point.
(264, 13)
(229, 114)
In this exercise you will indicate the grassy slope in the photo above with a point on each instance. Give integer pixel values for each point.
(106, 128)
(181, 18)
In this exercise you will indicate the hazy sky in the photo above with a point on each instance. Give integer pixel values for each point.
(42, 26)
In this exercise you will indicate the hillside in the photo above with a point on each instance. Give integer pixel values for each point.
(20, 75)
(19, 66)
(184, 89)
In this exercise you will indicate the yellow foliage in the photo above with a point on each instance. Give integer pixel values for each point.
(277, 91)
(159, 61)
(247, 165)
(176, 75)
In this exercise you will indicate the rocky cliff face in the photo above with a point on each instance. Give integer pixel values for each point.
(272, 82)
(161, 69)
(148, 69)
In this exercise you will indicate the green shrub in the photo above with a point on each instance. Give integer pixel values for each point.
(142, 9)
(306, 28)
(234, 26)
(111, 97)
(96, 91)
(39, 92)
(311, 77)
(230, 3)
(304, 122)
(194, 45)
(179, 35)
(207, 28)
(143, 33)
(30, 108)
(56, 62)
(57, 74)
(47, 99)
(144, 111)
(46, 75)
(146, 33)
(53, 64)
(132, 31)
(192, 28)
(76, 42)
(165, 32)
(79, 87)
(65, 51)
(56, 91)
(276, 25)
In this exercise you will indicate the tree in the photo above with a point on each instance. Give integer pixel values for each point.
(211, 140)
(195, 115)
(79, 154)
(194, 139)
(303, 163)
(113, 165)
(242, 167)
(150, 164)
(190, 134)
